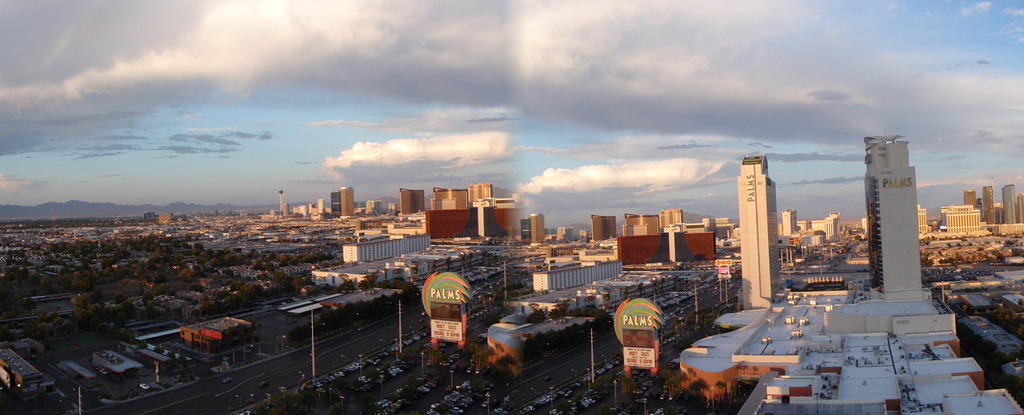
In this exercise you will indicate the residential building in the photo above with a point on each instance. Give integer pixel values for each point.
(1010, 204)
(988, 206)
(970, 198)
(758, 233)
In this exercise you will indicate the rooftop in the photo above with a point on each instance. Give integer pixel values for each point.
(220, 324)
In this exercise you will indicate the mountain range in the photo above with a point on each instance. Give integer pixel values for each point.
(80, 209)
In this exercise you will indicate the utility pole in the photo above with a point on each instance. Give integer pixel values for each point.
(505, 271)
(591, 357)
(399, 326)
(312, 344)
(79, 400)
(157, 375)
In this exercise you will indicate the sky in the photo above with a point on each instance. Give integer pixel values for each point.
(580, 106)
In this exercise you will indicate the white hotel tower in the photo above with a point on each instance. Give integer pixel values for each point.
(759, 227)
(890, 187)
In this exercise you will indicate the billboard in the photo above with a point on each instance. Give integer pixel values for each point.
(636, 325)
(445, 296)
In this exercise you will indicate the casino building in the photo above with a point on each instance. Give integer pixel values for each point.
(885, 349)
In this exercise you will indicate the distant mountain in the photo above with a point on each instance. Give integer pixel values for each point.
(80, 209)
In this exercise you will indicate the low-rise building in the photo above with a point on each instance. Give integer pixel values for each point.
(574, 275)
(114, 362)
(215, 335)
(20, 377)
(380, 248)
(1005, 342)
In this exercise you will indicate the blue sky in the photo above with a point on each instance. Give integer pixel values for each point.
(581, 106)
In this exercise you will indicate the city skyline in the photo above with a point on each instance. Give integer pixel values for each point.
(136, 119)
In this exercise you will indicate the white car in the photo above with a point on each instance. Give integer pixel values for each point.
(144, 386)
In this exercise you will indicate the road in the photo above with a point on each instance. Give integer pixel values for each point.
(211, 396)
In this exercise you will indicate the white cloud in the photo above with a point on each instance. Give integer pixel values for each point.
(10, 183)
(435, 47)
(1014, 12)
(442, 120)
(976, 9)
(645, 176)
(443, 152)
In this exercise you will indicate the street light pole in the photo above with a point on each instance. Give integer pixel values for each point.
(399, 326)
(591, 357)
(312, 344)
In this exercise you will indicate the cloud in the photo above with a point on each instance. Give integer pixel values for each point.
(815, 156)
(203, 138)
(686, 146)
(107, 176)
(642, 177)
(828, 95)
(829, 180)
(263, 135)
(9, 183)
(1014, 12)
(442, 152)
(118, 137)
(415, 50)
(443, 120)
(186, 149)
(976, 9)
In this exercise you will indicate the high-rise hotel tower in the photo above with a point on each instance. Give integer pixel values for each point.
(759, 228)
(890, 187)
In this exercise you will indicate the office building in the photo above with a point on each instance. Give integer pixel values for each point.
(575, 275)
(565, 233)
(666, 247)
(669, 217)
(479, 191)
(449, 199)
(411, 201)
(890, 186)
(1010, 204)
(537, 232)
(380, 248)
(988, 206)
(758, 233)
(965, 219)
(789, 227)
(641, 225)
(524, 229)
(321, 206)
(970, 198)
(602, 227)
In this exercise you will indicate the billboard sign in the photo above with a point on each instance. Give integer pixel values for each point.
(445, 297)
(636, 325)
(724, 272)
(446, 330)
(723, 263)
(640, 357)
